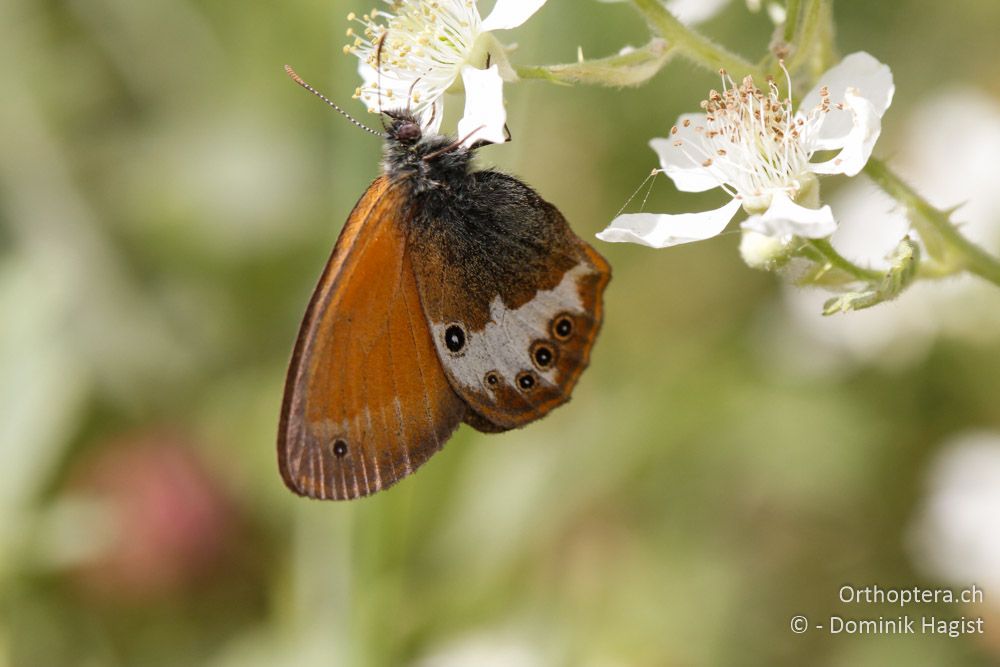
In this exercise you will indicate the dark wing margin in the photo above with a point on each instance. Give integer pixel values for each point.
(366, 401)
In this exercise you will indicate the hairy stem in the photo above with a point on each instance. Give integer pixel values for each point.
(691, 44)
(970, 256)
(830, 254)
(626, 69)
(791, 19)
(806, 35)
(826, 53)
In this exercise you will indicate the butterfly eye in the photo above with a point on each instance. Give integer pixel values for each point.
(454, 338)
(562, 327)
(525, 380)
(408, 131)
(340, 449)
(492, 378)
(542, 354)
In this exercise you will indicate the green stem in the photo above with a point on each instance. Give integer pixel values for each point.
(830, 254)
(805, 39)
(628, 69)
(691, 44)
(826, 53)
(972, 258)
(932, 270)
(791, 19)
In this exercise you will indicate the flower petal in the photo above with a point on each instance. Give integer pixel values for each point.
(692, 12)
(508, 14)
(861, 71)
(485, 115)
(662, 230)
(784, 217)
(395, 92)
(683, 163)
(372, 82)
(857, 145)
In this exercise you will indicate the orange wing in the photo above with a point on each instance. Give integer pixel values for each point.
(366, 400)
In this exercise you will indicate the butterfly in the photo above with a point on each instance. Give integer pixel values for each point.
(452, 295)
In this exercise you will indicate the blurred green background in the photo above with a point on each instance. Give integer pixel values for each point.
(167, 200)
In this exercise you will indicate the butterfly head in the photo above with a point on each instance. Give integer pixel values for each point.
(403, 128)
(430, 161)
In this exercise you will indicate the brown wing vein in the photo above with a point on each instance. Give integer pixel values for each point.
(360, 350)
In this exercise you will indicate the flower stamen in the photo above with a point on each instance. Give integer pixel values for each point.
(419, 45)
(752, 138)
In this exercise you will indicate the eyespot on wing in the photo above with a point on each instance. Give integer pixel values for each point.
(514, 277)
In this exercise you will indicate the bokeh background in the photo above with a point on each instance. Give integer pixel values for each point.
(167, 200)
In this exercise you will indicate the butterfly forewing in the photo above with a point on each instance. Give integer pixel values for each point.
(366, 400)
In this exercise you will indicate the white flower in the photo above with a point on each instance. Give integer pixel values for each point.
(759, 150)
(956, 534)
(421, 48)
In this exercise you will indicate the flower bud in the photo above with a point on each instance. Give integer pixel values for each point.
(764, 252)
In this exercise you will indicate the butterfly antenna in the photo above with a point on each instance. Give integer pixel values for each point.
(298, 79)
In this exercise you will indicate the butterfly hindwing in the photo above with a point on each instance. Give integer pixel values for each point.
(513, 299)
(366, 399)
